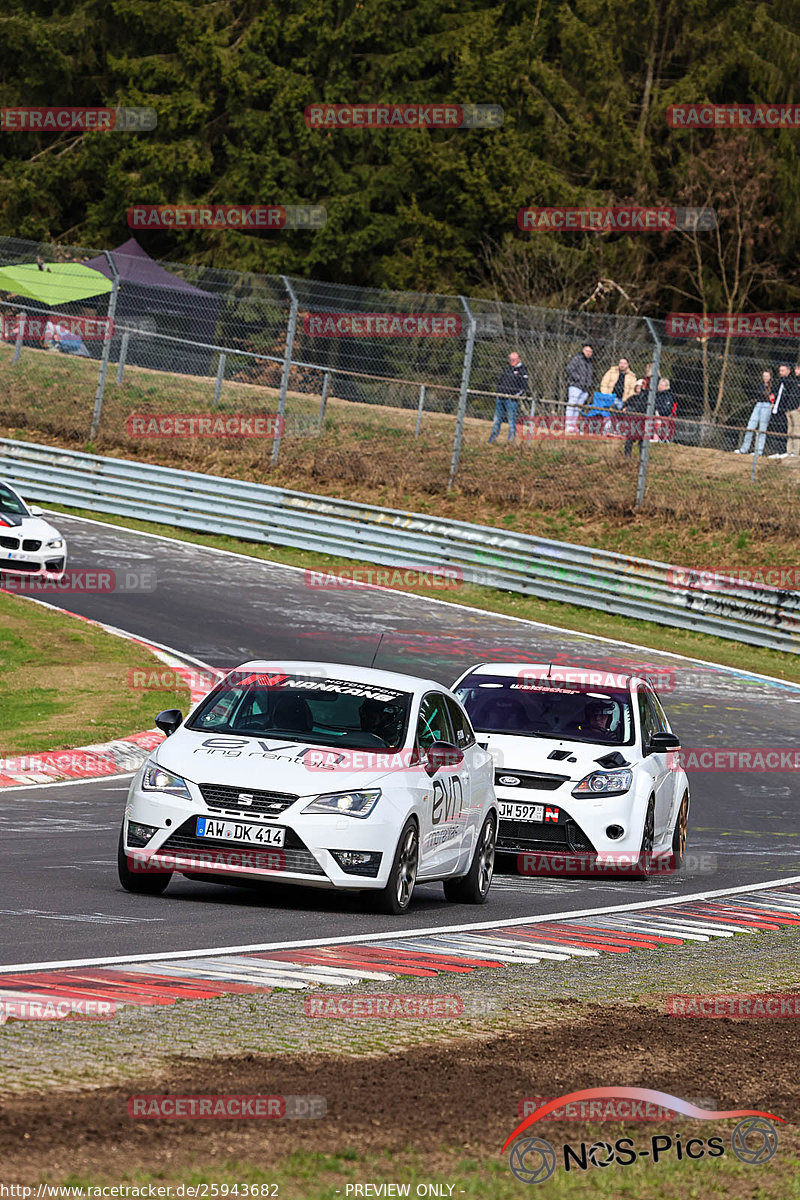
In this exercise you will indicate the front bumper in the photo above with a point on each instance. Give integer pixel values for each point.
(305, 858)
(44, 563)
(568, 825)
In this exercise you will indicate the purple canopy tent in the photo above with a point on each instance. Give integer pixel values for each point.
(152, 299)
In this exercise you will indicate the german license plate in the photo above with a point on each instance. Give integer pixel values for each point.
(235, 831)
(528, 812)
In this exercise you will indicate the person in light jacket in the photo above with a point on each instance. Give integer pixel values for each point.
(620, 380)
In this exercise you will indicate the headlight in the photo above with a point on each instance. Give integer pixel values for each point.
(55, 543)
(604, 783)
(346, 804)
(156, 779)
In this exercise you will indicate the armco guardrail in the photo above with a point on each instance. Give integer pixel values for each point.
(598, 579)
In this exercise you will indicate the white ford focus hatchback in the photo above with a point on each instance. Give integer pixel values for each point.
(585, 764)
(316, 774)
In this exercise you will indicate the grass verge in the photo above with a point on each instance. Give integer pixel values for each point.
(565, 616)
(700, 509)
(65, 682)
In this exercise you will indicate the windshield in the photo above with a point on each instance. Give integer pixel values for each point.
(529, 707)
(10, 502)
(318, 711)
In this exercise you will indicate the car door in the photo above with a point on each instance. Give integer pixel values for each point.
(479, 777)
(672, 782)
(447, 801)
(657, 765)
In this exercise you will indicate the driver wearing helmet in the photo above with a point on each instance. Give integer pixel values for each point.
(379, 719)
(597, 716)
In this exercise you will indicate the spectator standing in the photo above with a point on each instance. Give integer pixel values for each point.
(514, 384)
(763, 399)
(784, 396)
(793, 415)
(634, 418)
(579, 385)
(666, 407)
(620, 380)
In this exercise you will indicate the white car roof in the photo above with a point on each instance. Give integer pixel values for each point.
(600, 676)
(393, 680)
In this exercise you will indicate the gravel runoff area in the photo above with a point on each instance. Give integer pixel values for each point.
(414, 1099)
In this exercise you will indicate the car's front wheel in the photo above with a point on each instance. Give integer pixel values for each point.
(473, 888)
(396, 896)
(645, 866)
(142, 883)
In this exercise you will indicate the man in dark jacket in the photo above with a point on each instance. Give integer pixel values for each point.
(513, 386)
(579, 385)
(786, 401)
(633, 420)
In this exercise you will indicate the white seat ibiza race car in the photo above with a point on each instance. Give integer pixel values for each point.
(585, 766)
(316, 774)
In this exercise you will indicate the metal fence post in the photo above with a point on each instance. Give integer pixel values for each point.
(420, 407)
(464, 393)
(644, 457)
(18, 343)
(287, 363)
(220, 377)
(123, 355)
(323, 404)
(101, 380)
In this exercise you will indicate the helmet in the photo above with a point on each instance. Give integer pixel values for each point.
(598, 711)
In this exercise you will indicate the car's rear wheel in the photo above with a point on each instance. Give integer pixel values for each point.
(396, 896)
(680, 833)
(142, 883)
(645, 865)
(473, 888)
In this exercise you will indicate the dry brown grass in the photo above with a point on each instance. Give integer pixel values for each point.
(700, 506)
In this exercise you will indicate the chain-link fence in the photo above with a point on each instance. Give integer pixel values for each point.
(398, 392)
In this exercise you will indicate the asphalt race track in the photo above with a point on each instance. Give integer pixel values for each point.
(59, 842)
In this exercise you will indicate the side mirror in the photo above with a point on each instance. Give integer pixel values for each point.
(169, 720)
(442, 754)
(661, 743)
(34, 511)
